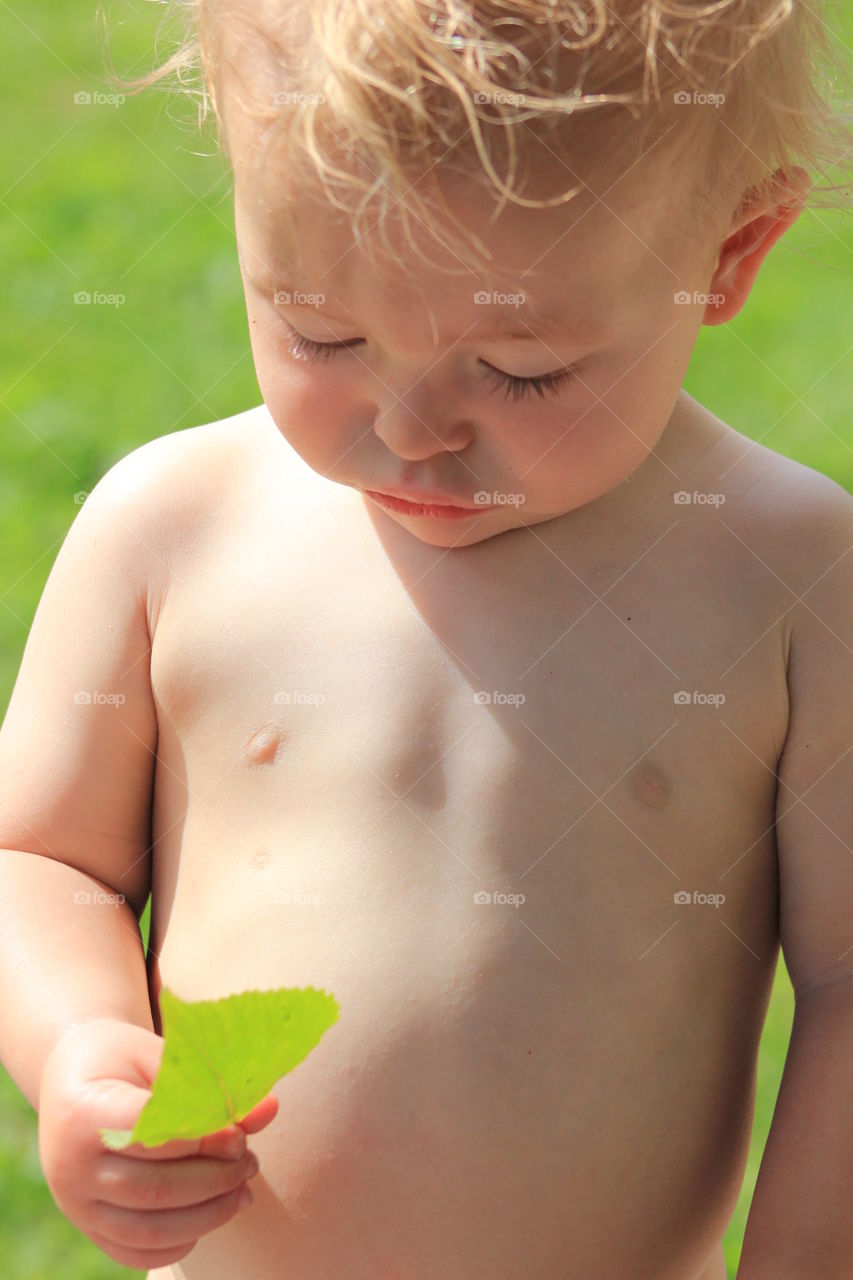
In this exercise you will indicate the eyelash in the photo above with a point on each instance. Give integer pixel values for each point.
(513, 385)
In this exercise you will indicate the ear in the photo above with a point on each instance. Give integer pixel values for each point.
(764, 214)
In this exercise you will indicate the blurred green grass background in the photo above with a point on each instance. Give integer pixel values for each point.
(129, 199)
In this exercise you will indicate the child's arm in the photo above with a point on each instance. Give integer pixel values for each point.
(800, 1224)
(75, 787)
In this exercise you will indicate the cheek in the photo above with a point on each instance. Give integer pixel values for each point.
(283, 382)
(305, 408)
(574, 451)
(308, 409)
(603, 431)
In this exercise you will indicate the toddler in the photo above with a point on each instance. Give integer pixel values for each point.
(479, 676)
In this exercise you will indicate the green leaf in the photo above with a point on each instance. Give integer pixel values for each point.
(222, 1057)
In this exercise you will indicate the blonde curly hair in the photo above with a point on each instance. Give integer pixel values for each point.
(371, 97)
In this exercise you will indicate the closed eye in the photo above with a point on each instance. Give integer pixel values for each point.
(518, 387)
(515, 386)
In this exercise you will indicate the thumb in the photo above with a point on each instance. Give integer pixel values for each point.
(123, 1102)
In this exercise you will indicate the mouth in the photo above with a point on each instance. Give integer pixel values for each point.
(426, 506)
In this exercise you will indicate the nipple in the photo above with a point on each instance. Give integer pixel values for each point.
(263, 745)
(650, 785)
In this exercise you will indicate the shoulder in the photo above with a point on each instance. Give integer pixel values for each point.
(796, 523)
(176, 484)
(183, 465)
(165, 500)
(793, 516)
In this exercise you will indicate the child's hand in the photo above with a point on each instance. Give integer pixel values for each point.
(144, 1206)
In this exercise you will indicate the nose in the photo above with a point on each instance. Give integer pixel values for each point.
(414, 427)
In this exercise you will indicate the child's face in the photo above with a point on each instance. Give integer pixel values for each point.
(412, 405)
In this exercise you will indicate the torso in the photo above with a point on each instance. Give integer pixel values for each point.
(552, 1088)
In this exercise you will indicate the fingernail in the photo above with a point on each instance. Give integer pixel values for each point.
(245, 1197)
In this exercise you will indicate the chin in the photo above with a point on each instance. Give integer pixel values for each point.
(447, 534)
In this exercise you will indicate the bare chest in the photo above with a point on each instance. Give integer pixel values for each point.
(514, 808)
(517, 764)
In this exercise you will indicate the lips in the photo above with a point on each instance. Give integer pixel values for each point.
(427, 499)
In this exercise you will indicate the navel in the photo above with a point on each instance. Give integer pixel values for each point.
(263, 745)
(650, 785)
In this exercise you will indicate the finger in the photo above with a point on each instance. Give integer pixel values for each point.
(164, 1228)
(261, 1115)
(121, 1103)
(228, 1143)
(126, 1099)
(141, 1259)
(174, 1184)
(225, 1144)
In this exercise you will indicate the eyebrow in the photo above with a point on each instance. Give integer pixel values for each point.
(505, 321)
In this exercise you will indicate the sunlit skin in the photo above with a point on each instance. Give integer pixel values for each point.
(565, 1088)
(415, 401)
